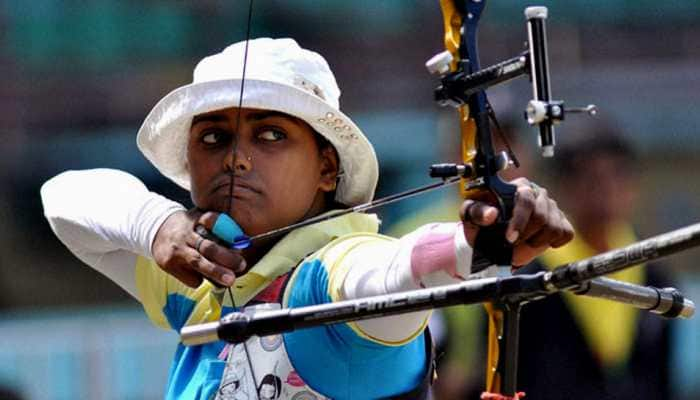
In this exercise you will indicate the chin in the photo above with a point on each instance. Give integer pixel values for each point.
(246, 220)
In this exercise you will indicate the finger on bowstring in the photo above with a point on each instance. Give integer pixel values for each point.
(208, 219)
(214, 272)
(187, 277)
(195, 213)
(216, 253)
(225, 228)
(478, 213)
(523, 209)
(196, 238)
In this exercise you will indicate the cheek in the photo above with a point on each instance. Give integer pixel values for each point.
(201, 171)
(297, 181)
(300, 183)
(195, 186)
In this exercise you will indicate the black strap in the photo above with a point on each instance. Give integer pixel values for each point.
(676, 305)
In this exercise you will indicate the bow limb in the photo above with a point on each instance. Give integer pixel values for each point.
(452, 20)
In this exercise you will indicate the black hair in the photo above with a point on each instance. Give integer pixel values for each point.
(273, 380)
(323, 143)
(600, 138)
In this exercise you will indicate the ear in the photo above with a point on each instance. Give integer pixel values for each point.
(329, 169)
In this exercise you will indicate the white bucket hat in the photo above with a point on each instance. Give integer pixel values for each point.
(280, 76)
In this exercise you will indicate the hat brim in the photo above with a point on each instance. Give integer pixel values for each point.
(163, 135)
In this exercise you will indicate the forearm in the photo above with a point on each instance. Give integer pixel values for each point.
(433, 255)
(105, 217)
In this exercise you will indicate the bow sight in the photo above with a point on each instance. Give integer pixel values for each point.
(456, 87)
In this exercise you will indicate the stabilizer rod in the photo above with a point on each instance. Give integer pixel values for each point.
(581, 276)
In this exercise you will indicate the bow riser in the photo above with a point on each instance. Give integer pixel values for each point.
(463, 87)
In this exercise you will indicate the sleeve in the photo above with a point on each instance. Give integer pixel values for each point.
(106, 218)
(169, 303)
(433, 255)
(387, 354)
(362, 265)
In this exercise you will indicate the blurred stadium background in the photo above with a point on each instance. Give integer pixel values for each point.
(78, 77)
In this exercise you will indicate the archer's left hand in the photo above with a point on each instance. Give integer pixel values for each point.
(537, 223)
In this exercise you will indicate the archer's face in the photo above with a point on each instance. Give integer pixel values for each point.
(280, 174)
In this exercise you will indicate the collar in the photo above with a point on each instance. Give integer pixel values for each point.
(293, 248)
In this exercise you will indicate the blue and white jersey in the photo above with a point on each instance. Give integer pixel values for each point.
(340, 361)
(109, 220)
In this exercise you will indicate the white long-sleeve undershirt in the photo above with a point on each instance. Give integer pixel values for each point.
(106, 218)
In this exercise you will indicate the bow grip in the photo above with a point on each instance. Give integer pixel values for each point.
(491, 246)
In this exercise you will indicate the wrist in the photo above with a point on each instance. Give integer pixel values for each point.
(164, 226)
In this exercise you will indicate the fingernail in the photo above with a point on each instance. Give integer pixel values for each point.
(228, 279)
(512, 236)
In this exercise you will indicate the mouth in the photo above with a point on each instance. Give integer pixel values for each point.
(240, 188)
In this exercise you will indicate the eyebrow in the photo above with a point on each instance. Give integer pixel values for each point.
(263, 114)
(208, 118)
(253, 116)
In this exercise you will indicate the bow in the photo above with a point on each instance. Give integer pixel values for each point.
(481, 166)
(462, 86)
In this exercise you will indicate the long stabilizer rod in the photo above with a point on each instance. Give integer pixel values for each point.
(581, 276)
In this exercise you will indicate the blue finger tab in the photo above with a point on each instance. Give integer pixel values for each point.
(226, 229)
(241, 242)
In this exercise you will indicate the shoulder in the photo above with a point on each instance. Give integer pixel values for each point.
(342, 245)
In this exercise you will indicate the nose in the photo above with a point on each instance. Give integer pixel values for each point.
(238, 160)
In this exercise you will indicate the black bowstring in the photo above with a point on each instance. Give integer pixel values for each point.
(236, 136)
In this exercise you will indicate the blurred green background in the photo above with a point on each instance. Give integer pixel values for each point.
(78, 77)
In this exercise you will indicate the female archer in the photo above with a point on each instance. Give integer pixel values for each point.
(270, 148)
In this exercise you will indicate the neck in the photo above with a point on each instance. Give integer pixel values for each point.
(257, 251)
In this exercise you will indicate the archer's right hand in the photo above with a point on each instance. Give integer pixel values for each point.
(182, 252)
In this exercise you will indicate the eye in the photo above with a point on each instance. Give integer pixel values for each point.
(271, 135)
(212, 136)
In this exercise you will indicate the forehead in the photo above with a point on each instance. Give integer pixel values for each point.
(246, 115)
